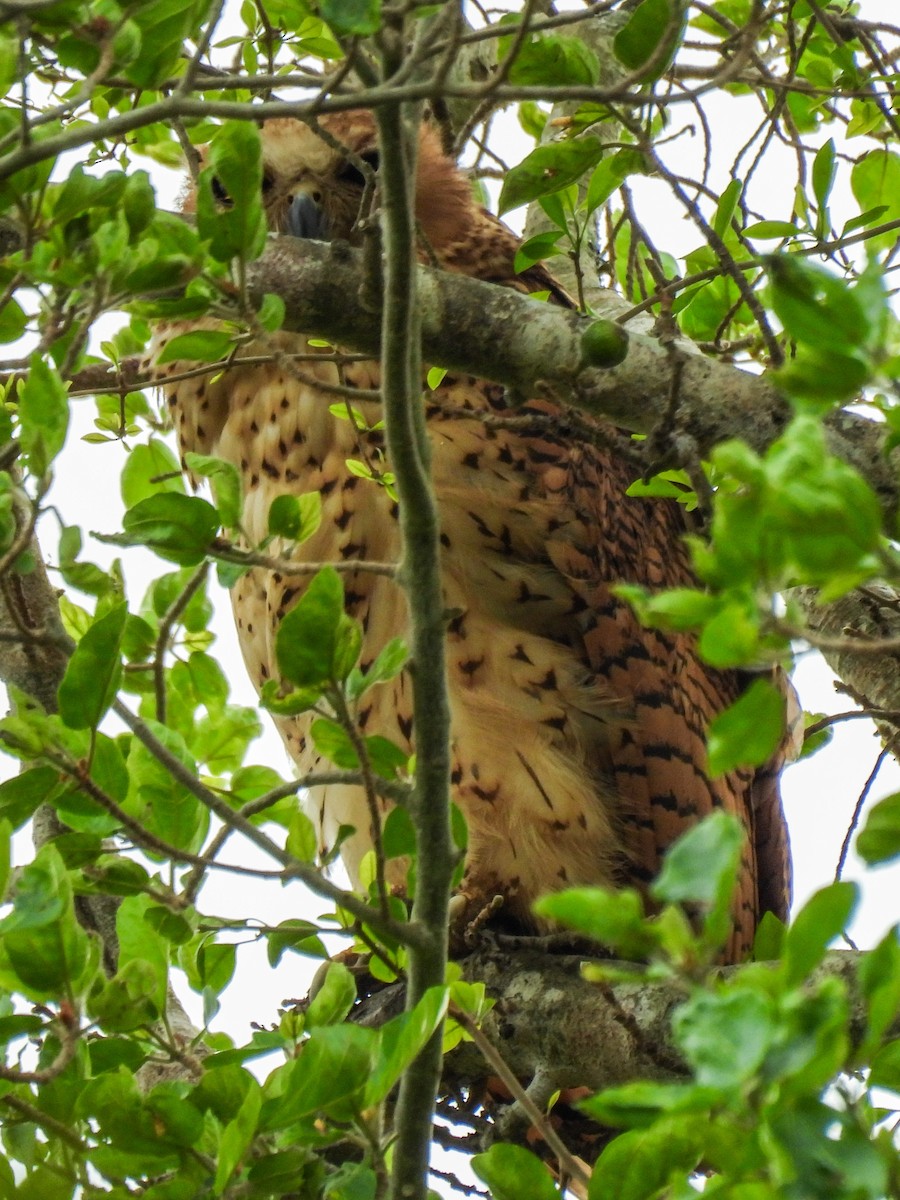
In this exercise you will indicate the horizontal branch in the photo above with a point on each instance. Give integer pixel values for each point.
(556, 1030)
(535, 349)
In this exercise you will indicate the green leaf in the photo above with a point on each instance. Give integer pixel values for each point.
(386, 757)
(612, 918)
(640, 1103)
(749, 731)
(879, 839)
(163, 27)
(886, 1067)
(539, 247)
(359, 18)
(93, 672)
(766, 230)
(333, 742)
(140, 943)
(823, 918)
(800, 516)
(200, 345)
(172, 926)
(768, 942)
(221, 740)
(334, 997)
(308, 636)
(225, 481)
(864, 219)
(5, 841)
(512, 1173)
(209, 682)
(875, 180)
(13, 321)
(43, 415)
(610, 174)
(150, 468)
(302, 841)
(237, 1137)
(726, 1037)
(138, 201)
(179, 528)
(823, 174)
(78, 810)
(398, 834)
(129, 1000)
(299, 936)
(158, 799)
(348, 644)
(295, 517)
(249, 783)
(169, 589)
(328, 1077)
(43, 943)
(87, 577)
(388, 664)
(214, 965)
(355, 1181)
(675, 608)
(702, 865)
(552, 59)
(22, 794)
(652, 33)
(879, 980)
(638, 1165)
(807, 299)
(726, 206)
(548, 169)
(291, 703)
(235, 228)
(401, 1041)
(821, 377)
(271, 312)
(730, 638)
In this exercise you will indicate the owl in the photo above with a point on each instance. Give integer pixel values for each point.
(577, 735)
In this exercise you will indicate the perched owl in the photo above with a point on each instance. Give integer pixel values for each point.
(577, 735)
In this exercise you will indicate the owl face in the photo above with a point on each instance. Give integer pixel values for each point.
(315, 189)
(311, 189)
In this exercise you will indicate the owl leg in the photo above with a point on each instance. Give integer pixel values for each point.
(469, 913)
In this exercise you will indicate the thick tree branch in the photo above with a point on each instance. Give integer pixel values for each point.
(554, 1027)
(871, 613)
(536, 349)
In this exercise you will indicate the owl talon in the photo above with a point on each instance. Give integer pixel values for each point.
(472, 931)
(465, 931)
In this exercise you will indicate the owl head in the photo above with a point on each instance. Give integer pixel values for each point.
(315, 187)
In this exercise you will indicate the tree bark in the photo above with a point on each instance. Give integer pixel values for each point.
(536, 349)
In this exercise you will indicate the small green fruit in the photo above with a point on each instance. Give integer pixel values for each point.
(603, 344)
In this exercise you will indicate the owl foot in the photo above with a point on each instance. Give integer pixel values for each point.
(468, 916)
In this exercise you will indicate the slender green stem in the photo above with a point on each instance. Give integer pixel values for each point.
(407, 444)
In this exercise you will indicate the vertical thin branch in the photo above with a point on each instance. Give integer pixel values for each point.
(407, 444)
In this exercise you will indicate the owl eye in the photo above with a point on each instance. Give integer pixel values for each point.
(352, 175)
(267, 183)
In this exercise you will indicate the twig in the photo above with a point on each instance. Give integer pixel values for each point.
(539, 1120)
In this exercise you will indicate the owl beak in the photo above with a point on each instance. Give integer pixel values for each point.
(306, 219)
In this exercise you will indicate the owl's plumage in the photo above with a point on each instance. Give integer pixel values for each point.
(577, 735)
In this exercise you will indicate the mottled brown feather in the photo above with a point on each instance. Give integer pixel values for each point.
(578, 736)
